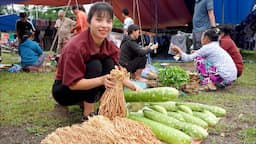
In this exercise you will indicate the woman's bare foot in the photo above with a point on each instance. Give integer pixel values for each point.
(88, 108)
(210, 87)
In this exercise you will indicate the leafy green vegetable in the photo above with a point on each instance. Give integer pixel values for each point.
(173, 76)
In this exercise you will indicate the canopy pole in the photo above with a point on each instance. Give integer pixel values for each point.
(156, 16)
(12, 8)
(55, 38)
(77, 4)
(139, 21)
(133, 9)
(223, 12)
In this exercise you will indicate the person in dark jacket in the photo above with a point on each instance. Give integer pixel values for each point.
(23, 25)
(133, 56)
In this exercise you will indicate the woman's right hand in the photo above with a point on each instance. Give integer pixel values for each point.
(154, 46)
(175, 48)
(107, 81)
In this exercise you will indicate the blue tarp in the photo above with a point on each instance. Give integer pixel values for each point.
(7, 22)
(234, 10)
(5, 2)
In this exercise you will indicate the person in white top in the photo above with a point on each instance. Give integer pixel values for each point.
(127, 20)
(64, 26)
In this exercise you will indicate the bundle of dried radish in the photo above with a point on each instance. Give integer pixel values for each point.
(101, 130)
(112, 102)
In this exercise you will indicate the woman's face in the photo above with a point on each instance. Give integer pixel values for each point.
(204, 39)
(137, 34)
(101, 25)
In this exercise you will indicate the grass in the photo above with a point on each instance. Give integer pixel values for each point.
(249, 135)
(25, 100)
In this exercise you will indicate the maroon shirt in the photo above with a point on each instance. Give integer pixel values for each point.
(79, 50)
(228, 44)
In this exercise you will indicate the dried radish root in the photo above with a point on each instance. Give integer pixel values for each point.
(112, 102)
(101, 130)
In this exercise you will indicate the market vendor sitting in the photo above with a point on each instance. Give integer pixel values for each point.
(32, 56)
(133, 56)
(214, 65)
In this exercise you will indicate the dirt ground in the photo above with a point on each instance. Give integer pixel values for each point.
(19, 134)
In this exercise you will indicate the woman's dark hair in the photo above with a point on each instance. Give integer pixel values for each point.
(25, 36)
(74, 7)
(125, 11)
(100, 8)
(226, 29)
(23, 14)
(80, 7)
(212, 34)
(132, 28)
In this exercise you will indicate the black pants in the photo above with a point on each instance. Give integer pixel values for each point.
(95, 68)
(137, 63)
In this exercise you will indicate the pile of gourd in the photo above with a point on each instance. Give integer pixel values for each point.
(179, 123)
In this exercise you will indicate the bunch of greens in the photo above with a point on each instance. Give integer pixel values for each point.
(173, 76)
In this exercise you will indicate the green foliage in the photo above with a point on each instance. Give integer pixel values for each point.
(173, 76)
(117, 23)
(3, 10)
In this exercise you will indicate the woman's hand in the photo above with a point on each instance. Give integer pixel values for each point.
(137, 88)
(107, 82)
(193, 51)
(154, 46)
(128, 83)
(175, 48)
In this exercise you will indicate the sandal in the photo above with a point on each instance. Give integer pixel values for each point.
(208, 89)
(85, 118)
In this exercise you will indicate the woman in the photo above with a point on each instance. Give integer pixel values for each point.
(86, 61)
(133, 56)
(32, 56)
(228, 44)
(215, 66)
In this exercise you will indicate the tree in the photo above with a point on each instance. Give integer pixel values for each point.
(117, 23)
(3, 10)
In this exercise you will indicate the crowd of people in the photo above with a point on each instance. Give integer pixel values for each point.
(86, 59)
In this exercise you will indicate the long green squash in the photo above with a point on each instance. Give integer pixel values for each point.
(158, 108)
(159, 94)
(163, 132)
(176, 115)
(195, 131)
(209, 120)
(185, 109)
(194, 120)
(218, 111)
(169, 106)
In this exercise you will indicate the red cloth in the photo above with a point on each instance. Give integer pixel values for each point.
(228, 44)
(79, 50)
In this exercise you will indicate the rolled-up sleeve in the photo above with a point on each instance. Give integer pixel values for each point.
(73, 68)
(203, 52)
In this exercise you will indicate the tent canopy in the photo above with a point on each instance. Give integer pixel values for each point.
(161, 13)
(152, 12)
